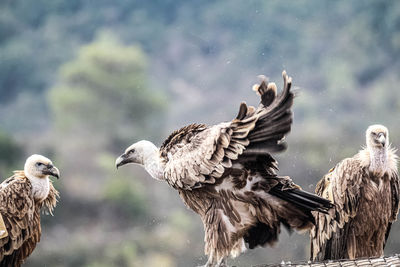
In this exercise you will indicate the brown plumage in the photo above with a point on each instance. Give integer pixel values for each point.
(365, 191)
(21, 201)
(225, 173)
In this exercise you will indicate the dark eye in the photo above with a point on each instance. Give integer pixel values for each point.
(131, 151)
(373, 134)
(39, 164)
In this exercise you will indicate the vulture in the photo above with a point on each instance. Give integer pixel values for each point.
(226, 174)
(365, 192)
(22, 197)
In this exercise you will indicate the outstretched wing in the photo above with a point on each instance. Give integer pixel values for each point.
(342, 187)
(197, 154)
(21, 219)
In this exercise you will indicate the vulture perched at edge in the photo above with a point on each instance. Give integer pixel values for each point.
(365, 192)
(225, 173)
(22, 196)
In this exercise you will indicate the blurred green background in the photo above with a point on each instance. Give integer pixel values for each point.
(81, 80)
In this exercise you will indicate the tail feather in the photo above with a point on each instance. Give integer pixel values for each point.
(303, 199)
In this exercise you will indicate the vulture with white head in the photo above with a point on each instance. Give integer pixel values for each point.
(22, 197)
(365, 192)
(226, 174)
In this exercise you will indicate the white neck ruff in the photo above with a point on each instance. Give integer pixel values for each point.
(154, 167)
(378, 161)
(40, 187)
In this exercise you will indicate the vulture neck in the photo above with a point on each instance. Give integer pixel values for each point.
(152, 164)
(378, 157)
(40, 187)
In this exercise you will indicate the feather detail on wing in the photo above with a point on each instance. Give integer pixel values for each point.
(395, 190)
(394, 183)
(196, 154)
(342, 186)
(22, 220)
(395, 187)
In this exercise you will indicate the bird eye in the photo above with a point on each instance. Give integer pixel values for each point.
(131, 151)
(39, 164)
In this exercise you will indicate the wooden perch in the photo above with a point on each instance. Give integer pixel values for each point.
(391, 261)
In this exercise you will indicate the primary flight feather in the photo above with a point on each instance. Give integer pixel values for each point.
(225, 173)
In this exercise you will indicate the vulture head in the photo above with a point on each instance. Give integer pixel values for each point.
(377, 136)
(40, 167)
(139, 153)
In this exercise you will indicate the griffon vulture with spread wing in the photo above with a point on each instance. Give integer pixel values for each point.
(22, 196)
(365, 191)
(225, 173)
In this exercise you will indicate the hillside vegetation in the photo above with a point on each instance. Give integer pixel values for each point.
(81, 80)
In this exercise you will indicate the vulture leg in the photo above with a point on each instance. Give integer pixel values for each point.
(222, 263)
(213, 262)
(218, 233)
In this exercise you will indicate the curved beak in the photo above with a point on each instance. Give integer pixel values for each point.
(122, 160)
(382, 139)
(53, 171)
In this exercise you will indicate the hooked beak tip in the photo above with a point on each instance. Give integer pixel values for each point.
(119, 162)
(55, 173)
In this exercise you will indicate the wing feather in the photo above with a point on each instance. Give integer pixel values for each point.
(209, 150)
(395, 191)
(22, 220)
(342, 186)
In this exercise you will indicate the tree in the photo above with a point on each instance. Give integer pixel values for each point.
(101, 103)
(10, 152)
(105, 88)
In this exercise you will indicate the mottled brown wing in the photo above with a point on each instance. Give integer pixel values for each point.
(342, 186)
(193, 162)
(22, 220)
(395, 191)
(197, 154)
